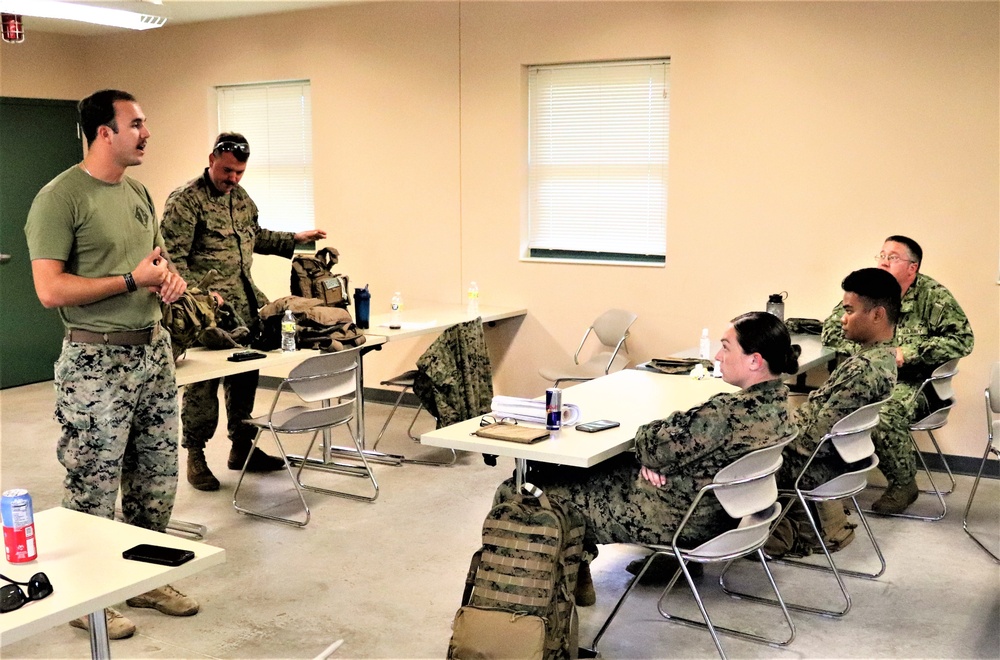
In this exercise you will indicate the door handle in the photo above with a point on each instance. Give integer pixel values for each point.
(4, 258)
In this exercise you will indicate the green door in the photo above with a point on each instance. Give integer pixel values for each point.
(38, 140)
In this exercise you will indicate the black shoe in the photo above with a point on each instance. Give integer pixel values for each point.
(259, 461)
(662, 569)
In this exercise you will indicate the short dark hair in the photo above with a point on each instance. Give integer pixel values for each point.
(764, 333)
(877, 288)
(234, 143)
(911, 245)
(98, 110)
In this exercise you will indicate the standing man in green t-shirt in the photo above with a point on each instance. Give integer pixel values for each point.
(97, 255)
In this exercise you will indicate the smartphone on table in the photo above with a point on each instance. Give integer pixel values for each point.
(158, 554)
(599, 425)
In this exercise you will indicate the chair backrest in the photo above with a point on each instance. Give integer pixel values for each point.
(747, 485)
(612, 326)
(852, 435)
(326, 376)
(940, 379)
(993, 391)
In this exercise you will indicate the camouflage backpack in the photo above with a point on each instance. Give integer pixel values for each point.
(522, 583)
(196, 319)
(312, 277)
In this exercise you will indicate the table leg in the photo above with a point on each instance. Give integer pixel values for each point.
(100, 647)
(520, 472)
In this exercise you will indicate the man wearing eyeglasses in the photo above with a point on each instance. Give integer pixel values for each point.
(211, 223)
(932, 329)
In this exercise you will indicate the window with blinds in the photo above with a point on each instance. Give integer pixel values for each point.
(597, 161)
(276, 119)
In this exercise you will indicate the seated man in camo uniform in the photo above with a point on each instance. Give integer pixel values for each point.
(641, 497)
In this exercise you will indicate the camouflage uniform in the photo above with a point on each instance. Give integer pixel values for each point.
(689, 447)
(117, 405)
(118, 409)
(455, 380)
(862, 379)
(932, 329)
(205, 230)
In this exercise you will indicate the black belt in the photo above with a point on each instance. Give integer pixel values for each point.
(142, 337)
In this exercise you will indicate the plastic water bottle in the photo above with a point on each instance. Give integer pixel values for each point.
(473, 308)
(288, 332)
(705, 346)
(396, 305)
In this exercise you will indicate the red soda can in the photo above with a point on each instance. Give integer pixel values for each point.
(18, 526)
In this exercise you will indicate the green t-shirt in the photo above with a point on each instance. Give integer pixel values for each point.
(98, 229)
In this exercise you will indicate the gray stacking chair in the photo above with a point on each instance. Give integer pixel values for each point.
(317, 380)
(851, 437)
(611, 329)
(748, 492)
(940, 381)
(992, 395)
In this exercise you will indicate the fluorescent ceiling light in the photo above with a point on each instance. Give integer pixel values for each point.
(76, 12)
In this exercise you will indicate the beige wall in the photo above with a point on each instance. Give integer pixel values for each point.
(802, 134)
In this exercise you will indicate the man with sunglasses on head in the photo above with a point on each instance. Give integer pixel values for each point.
(210, 223)
(932, 329)
(98, 256)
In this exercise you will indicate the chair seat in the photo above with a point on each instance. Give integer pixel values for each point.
(845, 485)
(752, 532)
(404, 379)
(592, 368)
(299, 419)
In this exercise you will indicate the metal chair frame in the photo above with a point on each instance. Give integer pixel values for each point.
(992, 395)
(851, 438)
(405, 381)
(747, 490)
(940, 380)
(612, 330)
(318, 379)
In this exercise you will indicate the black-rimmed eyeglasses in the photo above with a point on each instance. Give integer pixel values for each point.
(490, 419)
(232, 147)
(12, 597)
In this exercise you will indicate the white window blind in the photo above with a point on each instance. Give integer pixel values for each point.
(276, 119)
(597, 161)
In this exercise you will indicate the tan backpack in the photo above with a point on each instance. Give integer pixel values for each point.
(313, 277)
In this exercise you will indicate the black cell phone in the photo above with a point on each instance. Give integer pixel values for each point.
(158, 554)
(599, 425)
(245, 355)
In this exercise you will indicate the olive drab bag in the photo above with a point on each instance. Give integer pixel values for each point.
(313, 277)
(328, 329)
(519, 599)
(197, 319)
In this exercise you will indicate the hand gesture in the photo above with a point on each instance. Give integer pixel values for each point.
(309, 236)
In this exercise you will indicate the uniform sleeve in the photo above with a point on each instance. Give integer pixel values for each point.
(833, 333)
(281, 243)
(49, 228)
(179, 228)
(850, 386)
(947, 335)
(667, 445)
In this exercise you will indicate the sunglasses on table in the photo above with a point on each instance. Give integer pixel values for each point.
(12, 596)
(487, 420)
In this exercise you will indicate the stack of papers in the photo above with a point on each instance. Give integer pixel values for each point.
(529, 410)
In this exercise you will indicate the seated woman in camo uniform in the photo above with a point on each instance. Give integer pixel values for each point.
(641, 497)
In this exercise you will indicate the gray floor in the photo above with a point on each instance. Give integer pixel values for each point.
(387, 577)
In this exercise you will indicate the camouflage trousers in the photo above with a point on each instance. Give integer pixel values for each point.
(892, 435)
(117, 406)
(621, 507)
(200, 409)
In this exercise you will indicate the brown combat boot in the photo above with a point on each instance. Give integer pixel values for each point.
(198, 474)
(896, 498)
(585, 594)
